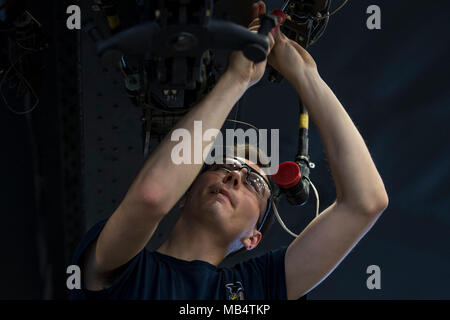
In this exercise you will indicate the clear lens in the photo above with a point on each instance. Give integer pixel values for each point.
(253, 179)
(256, 183)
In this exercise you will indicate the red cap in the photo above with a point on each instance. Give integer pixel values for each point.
(288, 174)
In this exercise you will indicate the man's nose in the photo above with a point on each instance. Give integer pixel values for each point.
(236, 177)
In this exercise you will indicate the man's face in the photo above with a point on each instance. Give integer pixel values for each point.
(236, 209)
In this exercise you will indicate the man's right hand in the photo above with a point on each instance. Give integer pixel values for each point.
(239, 66)
(290, 59)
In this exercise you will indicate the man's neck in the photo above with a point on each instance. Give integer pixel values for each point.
(187, 242)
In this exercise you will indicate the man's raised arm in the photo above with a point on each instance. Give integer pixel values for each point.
(161, 182)
(360, 193)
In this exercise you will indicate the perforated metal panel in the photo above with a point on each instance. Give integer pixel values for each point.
(112, 127)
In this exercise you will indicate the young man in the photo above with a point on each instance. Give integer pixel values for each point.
(225, 205)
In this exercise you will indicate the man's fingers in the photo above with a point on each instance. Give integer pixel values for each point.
(255, 11)
(256, 26)
(262, 7)
(258, 9)
(254, 22)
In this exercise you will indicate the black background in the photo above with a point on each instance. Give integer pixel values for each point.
(393, 83)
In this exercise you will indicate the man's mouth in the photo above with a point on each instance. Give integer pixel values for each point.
(224, 193)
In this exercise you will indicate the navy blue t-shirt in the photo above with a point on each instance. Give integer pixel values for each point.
(152, 275)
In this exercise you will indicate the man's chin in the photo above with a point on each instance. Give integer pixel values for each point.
(211, 206)
(216, 206)
(219, 197)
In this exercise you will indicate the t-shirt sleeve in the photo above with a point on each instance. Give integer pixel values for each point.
(265, 274)
(119, 285)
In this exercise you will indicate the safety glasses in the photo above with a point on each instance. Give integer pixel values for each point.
(254, 180)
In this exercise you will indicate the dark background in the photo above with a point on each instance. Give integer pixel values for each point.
(68, 164)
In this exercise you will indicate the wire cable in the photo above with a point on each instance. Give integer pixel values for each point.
(281, 221)
(242, 122)
(332, 13)
(29, 49)
(12, 67)
(324, 16)
(275, 209)
(316, 194)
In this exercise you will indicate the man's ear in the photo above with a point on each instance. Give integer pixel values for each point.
(252, 241)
